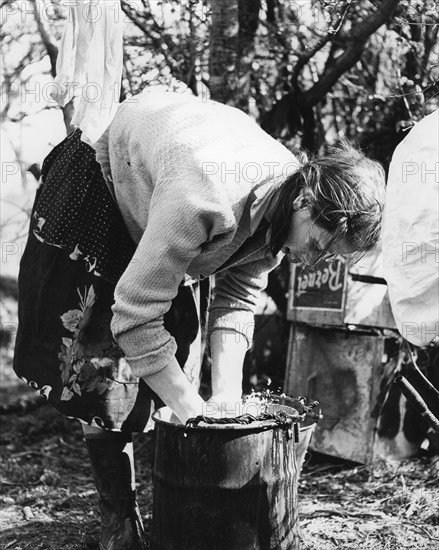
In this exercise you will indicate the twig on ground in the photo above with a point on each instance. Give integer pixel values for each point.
(11, 483)
(423, 529)
(342, 513)
(27, 453)
(320, 469)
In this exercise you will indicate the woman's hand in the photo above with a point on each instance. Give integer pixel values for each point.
(228, 349)
(175, 390)
(222, 406)
(217, 407)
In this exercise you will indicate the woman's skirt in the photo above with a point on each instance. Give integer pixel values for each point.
(77, 249)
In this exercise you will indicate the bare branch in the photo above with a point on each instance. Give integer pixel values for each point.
(359, 35)
(9, 79)
(51, 48)
(158, 39)
(305, 57)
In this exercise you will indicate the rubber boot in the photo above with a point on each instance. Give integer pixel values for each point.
(112, 462)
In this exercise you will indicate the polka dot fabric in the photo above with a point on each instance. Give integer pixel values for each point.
(75, 211)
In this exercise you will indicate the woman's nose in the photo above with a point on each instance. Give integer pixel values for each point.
(328, 256)
(314, 257)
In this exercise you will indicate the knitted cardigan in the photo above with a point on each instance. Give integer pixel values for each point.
(193, 180)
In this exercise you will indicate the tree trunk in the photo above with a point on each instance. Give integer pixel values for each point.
(223, 81)
(248, 15)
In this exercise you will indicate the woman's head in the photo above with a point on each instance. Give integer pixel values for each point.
(334, 201)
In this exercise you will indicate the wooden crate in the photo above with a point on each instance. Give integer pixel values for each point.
(342, 370)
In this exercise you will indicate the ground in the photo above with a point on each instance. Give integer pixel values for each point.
(49, 502)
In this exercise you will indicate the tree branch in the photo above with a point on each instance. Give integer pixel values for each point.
(359, 35)
(8, 81)
(51, 48)
(305, 57)
(158, 41)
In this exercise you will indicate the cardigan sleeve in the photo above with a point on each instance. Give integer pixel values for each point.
(182, 217)
(236, 295)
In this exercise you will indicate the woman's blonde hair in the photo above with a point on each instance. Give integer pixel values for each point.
(345, 196)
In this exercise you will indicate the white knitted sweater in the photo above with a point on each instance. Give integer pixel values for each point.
(192, 180)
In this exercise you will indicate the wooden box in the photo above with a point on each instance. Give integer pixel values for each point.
(341, 370)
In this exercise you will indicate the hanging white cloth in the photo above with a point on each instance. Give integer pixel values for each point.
(89, 64)
(410, 234)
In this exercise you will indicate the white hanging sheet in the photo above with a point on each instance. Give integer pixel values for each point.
(89, 64)
(410, 234)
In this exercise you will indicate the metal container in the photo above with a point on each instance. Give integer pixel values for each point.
(305, 434)
(225, 487)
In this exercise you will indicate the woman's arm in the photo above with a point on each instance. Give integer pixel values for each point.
(231, 326)
(182, 217)
(228, 349)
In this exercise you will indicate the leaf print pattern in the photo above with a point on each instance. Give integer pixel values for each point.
(76, 254)
(39, 226)
(44, 391)
(90, 262)
(83, 365)
(71, 320)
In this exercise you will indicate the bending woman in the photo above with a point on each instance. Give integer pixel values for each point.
(177, 190)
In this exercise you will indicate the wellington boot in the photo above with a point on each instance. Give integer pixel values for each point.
(112, 464)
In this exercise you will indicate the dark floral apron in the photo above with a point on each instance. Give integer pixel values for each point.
(77, 249)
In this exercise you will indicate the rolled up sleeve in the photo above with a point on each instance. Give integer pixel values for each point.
(236, 295)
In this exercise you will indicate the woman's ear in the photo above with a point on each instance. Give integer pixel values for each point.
(302, 200)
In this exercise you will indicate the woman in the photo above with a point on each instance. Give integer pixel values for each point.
(191, 189)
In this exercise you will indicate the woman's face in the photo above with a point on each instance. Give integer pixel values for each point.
(307, 240)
